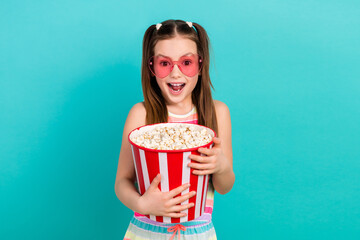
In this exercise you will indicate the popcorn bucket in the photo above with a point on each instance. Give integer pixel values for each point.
(172, 165)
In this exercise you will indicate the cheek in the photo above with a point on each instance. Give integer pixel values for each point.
(161, 82)
(193, 82)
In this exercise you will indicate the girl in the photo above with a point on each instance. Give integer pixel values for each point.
(177, 88)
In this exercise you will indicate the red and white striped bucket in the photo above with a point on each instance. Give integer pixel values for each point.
(172, 165)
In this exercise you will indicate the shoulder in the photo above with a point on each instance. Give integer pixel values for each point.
(138, 110)
(136, 116)
(223, 119)
(221, 109)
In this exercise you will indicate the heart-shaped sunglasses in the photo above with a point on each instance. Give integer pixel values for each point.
(189, 65)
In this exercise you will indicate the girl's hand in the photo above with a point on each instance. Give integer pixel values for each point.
(155, 202)
(210, 162)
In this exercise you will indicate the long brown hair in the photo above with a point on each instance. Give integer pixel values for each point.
(156, 110)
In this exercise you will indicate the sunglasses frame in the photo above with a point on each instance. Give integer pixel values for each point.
(150, 62)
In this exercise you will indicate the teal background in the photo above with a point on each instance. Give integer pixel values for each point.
(288, 70)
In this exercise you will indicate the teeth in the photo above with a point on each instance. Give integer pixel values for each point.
(177, 84)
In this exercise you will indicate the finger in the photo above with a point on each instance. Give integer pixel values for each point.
(155, 182)
(201, 166)
(179, 208)
(217, 141)
(178, 190)
(206, 151)
(182, 198)
(201, 159)
(203, 172)
(175, 215)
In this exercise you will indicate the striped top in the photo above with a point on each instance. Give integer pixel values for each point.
(190, 117)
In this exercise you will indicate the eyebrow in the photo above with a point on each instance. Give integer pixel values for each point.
(189, 53)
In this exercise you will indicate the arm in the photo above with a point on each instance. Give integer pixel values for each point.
(218, 160)
(153, 201)
(224, 179)
(124, 184)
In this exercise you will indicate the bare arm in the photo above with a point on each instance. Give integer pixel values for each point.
(153, 201)
(125, 176)
(224, 179)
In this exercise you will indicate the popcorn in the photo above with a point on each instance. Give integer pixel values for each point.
(171, 136)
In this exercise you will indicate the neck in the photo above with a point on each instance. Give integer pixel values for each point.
(180, 108)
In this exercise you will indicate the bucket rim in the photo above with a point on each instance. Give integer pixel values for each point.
(176, 150)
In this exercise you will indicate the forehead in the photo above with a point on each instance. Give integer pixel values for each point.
(175, 47)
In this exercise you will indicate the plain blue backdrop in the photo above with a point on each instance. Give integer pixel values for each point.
(289, 70)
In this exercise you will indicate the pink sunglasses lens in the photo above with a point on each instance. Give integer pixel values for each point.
(162, 66)
(189, 65)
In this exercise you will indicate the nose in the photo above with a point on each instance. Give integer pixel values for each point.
(175, 73)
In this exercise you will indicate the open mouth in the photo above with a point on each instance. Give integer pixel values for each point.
(176, 88)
